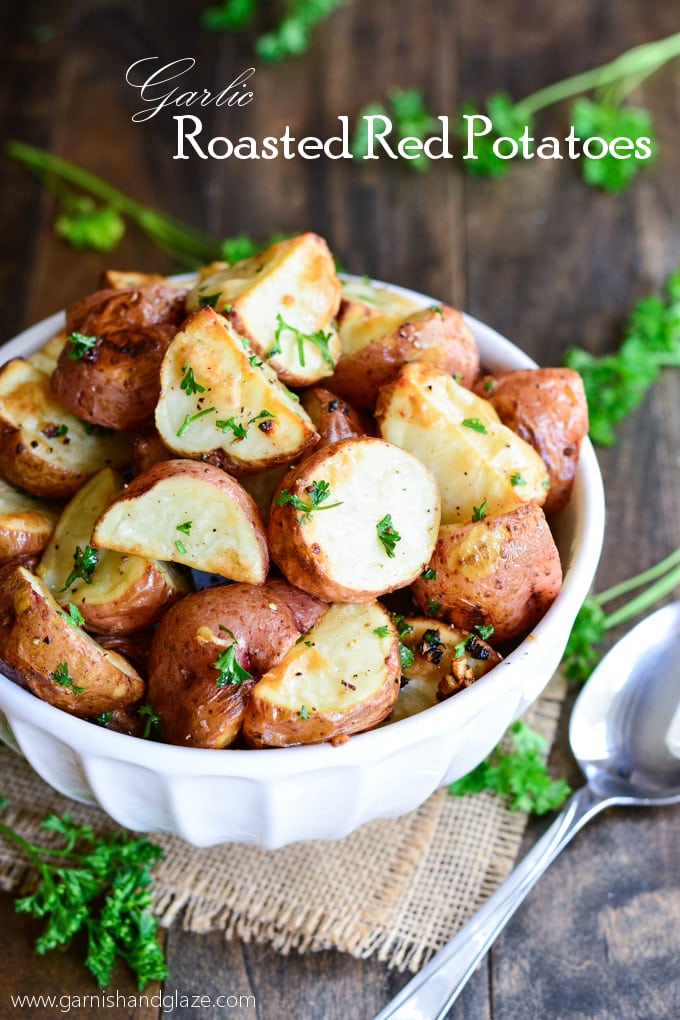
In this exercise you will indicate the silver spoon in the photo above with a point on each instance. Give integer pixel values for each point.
(625, 735)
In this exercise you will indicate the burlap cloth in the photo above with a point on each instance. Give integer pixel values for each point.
(394, 889)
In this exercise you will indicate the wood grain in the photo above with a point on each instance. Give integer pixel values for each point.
(540, 256)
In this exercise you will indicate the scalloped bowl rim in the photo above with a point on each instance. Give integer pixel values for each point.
(171, 760)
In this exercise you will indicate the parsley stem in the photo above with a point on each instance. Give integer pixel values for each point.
(644, 59)
(658, 570)
(644, 600)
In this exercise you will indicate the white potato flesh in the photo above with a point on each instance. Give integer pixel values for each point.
(268, 425)
(482, 461)
(27, 404)
(115, 574)
(47, 357)
(294, 279)
(371, 480)
(342, 646)
(21, 512)
(222, 538)
(371, 313)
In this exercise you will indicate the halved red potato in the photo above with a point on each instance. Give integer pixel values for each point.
(220, 402)
(354, 520)
(341, 679)
(26, 523)
(547, 407)
(122, 593)
(283, 301)
(197, 686)
(368, 312)
(503, 571)
(333, 418)
(436, 335)
(107, 373)
(445, 660)
(477, 461)
(56, 660)
(188, 513)
(44, 449)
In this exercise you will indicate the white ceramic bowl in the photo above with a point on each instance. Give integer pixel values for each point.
(274, 797)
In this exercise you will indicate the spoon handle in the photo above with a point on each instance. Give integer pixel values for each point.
(429, 994)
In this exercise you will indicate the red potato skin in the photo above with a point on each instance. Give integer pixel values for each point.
(509, 580)
(547, 408)
(16, 543)
(333, 417)
(116, 383)
(194, 711)
(148, 449)
(436, 335)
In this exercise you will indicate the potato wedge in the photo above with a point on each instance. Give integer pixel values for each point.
(118, 279)
(477, 461)
(368, 313)
(503, 571)
(283, 301)
(436, 335)
(26, 523)
(123, 593)
(334, 419)
(47, 357)
(188, 513)
(445, 660)
(111, 378)
(55, 660)
(43, 448)
(354, 520)
(547, 407)
(342, 679)
(219, 402)
(201, 703)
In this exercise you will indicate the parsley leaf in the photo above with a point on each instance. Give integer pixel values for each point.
(62, 677)
(319, 339)
(73, 616)
(518, 773)
(479, 512)
(229, 15)
(80, 344)
(152, 721)
(84, 565)
(190, 418)
(387, 535)
(188, 383)
(229, 669)
(318, 492)
(86, 225)
(410, 118)
(429, 574)
(509, 120)
(99, 884)
(231, 425)
(290, 37)
(517, 479)
(475, 424)
(610, 121)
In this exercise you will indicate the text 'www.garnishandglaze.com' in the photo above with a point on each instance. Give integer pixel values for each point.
(167, 1001)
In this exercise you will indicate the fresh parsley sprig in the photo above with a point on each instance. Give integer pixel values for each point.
(288, 38)
(230, 671)
(318, 492)
(388, 536)
(99, 884)
(84, 565)
(409, 116)
(80, 344)
(517, 772)
(616, 383)
(319, 339)
(592, 622)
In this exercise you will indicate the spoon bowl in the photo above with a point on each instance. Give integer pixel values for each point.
(625, 734)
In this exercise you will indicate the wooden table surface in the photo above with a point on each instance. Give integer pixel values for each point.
(541, 257)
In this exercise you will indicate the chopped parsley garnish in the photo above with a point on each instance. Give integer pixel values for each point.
(254, 361)
(80, 343)
(409, 117)
(62, 430)
(231, 425)
(303, 713)
(209, 300)
(517, 479)
(84, 565)
(188, 383)
(185, 528)
(318, 492)
(151, 720)
(318, 339)
(189, 419)
(485, 630)
(381, 632)
(460, 647)
(438, 310)
(429, 574)
(475, 424)
(433, 606)
(261, 415)
(387, 535)
(73, 616)
(490, 385)
(62, 677)
(406, 656)
(180, 547)
(104, 718)
(229, 669)
(479, 512)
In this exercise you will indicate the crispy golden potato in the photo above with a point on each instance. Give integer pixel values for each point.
(219, 402)
(283, 301)
(436, 335)
(112, 377)
(334, 419)
(368, 313)
(342, 679)
(47, 357)
(445, 660)
(57, 661)
(43, 448)
(477, 461)
(26, 523)
(118, 279)
(122, 593)
(188, 513)
(547, 407)
(198, 686)
(148, 449)
(503, 571)
(354, 520)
